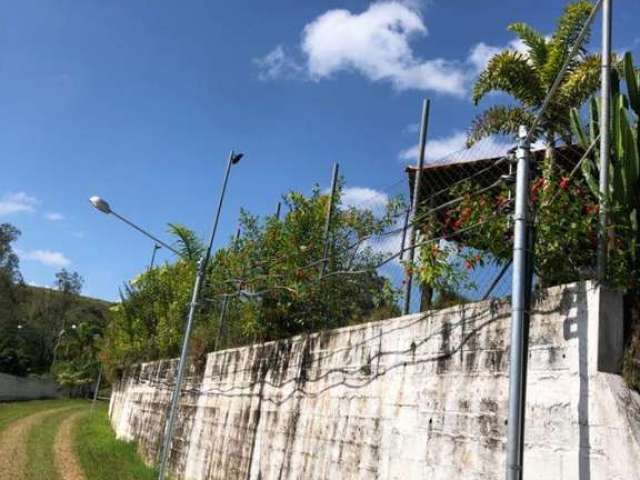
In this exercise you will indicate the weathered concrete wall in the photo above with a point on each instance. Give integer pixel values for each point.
(25, 388)
(423, 396)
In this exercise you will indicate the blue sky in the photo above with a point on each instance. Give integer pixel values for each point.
(141, 101)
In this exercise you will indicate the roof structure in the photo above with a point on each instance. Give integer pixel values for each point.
(475, 162)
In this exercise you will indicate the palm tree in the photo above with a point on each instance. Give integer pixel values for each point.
(187, 242)
(528, 76)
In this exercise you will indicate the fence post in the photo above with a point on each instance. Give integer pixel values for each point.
(414, 205)
(519, 347)
(327, 225)
(605, 119)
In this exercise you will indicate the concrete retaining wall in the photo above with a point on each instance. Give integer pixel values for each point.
(25, 388)
(422, 396)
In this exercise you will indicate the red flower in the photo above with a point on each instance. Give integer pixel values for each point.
(564, 183)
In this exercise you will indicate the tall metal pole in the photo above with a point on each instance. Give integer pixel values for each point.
(517, 373)
(405, 228)
(414, 204)
(278, 208)
(223, 312)
(202, 268)
(605, 119)
(224, 307)
(327, 224)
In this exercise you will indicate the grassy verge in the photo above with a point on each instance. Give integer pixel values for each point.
(9, 412)
(102, 456)
(40, 447)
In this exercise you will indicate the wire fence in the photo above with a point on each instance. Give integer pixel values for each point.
(272, 281)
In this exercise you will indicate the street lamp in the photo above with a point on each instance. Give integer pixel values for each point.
(234, 158)
(103, 206)
(55, 349)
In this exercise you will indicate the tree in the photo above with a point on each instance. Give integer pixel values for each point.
(13, 358)
(267, 280)
(528, 76)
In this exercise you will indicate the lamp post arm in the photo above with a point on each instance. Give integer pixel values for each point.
(144, 232)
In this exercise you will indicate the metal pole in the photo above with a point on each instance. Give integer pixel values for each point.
(156, 247)
(202, 268)
(517, 375)
(327, 225)
(605, 119)
(278, 210)
(223, 308)
(405, 228)
(95, 392)
(223, 312)
(414, 205)
(144, 232)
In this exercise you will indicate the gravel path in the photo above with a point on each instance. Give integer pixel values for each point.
(67, 463)
(13, 445)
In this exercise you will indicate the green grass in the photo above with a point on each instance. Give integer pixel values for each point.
(40, 446)
(102, 456)
(12, 411)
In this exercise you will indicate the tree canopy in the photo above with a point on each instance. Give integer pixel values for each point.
(267, 282)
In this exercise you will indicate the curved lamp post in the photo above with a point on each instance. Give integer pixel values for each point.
(103, 206)
(234, 158)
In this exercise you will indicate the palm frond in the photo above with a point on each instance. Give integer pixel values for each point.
(582, 81)
(567, 31)
(535, 42)
(188, 243)
(509, 72)
(498, 120)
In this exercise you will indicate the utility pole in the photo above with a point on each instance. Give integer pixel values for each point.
(519, 313)
(234, 158)
(605, 119)
(327, 224)
(414, 205)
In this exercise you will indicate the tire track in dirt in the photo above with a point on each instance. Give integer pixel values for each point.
(66, 460)
(13, 444)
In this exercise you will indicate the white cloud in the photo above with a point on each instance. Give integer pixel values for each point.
(277, 64)
(437, 148)
(49, 258)
(365, 198)
(17, 203)
(54, 216)
(375, 43)
(480, 55)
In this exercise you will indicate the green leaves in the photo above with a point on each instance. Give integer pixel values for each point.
(631, 79)
(269, 277)
(527, 77)
(188, 244)
(563, 39)
(509, 72)
(535, 42)
(498, 120)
